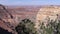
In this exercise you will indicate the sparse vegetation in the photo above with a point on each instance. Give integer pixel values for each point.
(27, 27)
(53, 27)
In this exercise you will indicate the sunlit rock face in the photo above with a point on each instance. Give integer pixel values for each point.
(47, 13)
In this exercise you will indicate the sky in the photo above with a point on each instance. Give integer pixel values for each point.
(30, 2)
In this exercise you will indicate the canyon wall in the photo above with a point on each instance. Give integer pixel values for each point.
(11, 16)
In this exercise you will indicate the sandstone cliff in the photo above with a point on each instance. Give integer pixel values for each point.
(46, 14)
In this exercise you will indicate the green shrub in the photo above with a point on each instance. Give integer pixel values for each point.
(26, 27)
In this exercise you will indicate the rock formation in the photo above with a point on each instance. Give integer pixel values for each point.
(6, 19)
(10, 18)
(46, 14)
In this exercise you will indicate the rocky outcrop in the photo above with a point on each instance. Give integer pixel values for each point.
(6, 19)
(47, 14)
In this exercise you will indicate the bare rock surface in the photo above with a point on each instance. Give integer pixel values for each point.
(46, 14)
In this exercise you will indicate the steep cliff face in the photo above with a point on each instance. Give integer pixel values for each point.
(50, 12)
(46, 14)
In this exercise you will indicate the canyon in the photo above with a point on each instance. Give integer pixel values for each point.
(11, 16)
